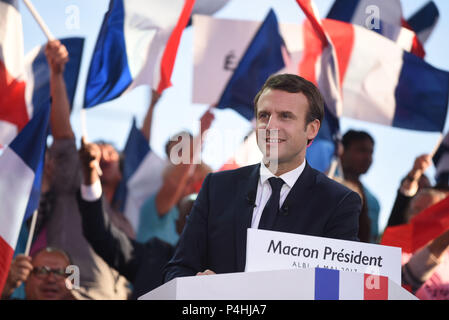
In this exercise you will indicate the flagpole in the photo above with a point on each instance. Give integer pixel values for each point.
(437, 145)
(39, 20)
(31, 233)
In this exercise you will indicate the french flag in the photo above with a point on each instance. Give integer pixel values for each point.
(383, 17)
(18, 106)
(263, 57)
(142, 175)
(330, 284)
(13, 109)
(137, 44)
(381, 82)
(20, 163)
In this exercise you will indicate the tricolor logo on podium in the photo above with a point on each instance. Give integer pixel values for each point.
(335, 285)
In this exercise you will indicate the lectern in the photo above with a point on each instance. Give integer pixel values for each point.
(296, 284)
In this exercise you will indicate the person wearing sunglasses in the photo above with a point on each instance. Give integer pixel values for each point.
(44, 276)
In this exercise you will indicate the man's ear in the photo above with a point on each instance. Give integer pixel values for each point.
(312, 129)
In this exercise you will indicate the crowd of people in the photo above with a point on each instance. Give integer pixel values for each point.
(81, 223)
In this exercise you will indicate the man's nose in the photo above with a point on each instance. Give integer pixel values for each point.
(271, 124)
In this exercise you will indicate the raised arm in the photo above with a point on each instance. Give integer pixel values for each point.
(177, 177)
(110, 243)
(147, 122)
(57, 57)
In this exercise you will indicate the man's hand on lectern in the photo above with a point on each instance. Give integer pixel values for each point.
(206, 272)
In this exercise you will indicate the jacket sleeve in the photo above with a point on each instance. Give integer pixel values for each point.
(190, 255)
(110, 243)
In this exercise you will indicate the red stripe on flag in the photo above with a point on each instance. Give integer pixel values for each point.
(342, 36)
(12, 99)
(375, 287)
(313, 50)
(306, 6)
(168, 58)
(6, 254)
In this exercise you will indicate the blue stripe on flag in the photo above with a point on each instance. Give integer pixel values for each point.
(109, 73)
(35, 195)
(262, 59)
(30, 142)
(424, 18)
(136, 149)
(421, 96)
(41, 73)
(343, 10)
(327, 283)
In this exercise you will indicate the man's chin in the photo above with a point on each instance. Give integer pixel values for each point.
(46, 295)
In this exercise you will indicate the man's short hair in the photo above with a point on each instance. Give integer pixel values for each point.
(294, 84)
(354, 135)
(53, 250)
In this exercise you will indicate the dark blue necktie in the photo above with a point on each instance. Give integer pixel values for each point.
(272, 207)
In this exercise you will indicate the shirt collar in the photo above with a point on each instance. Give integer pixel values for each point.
(289, 177)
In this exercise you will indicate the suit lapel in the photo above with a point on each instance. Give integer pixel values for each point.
(244, 208)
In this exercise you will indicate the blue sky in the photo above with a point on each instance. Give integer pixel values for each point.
(395, 149)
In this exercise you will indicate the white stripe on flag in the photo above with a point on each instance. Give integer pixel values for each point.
(145, 182)
(16, 180)
(351, 286)
(30, 76)
(146, 33)
(11, 40)
(8, 132)
(371, 78)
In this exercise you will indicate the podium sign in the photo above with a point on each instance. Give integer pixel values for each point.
(271, 250)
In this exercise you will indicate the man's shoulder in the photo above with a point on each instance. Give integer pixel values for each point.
(238, 173)
(326, 184)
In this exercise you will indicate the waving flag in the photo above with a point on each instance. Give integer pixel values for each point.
(13, 109)
(142, 175)
(263, 58)
(383, 17)
(18, 165)
(36, 85)
(137, 45)
(381, 82)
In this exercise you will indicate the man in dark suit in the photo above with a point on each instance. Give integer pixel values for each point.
(282, 193)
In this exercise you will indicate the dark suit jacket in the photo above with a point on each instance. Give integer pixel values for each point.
(141, 263)
(215, 233)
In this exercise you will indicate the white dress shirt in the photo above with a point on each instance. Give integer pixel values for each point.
(264, 189)
(91, 192)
